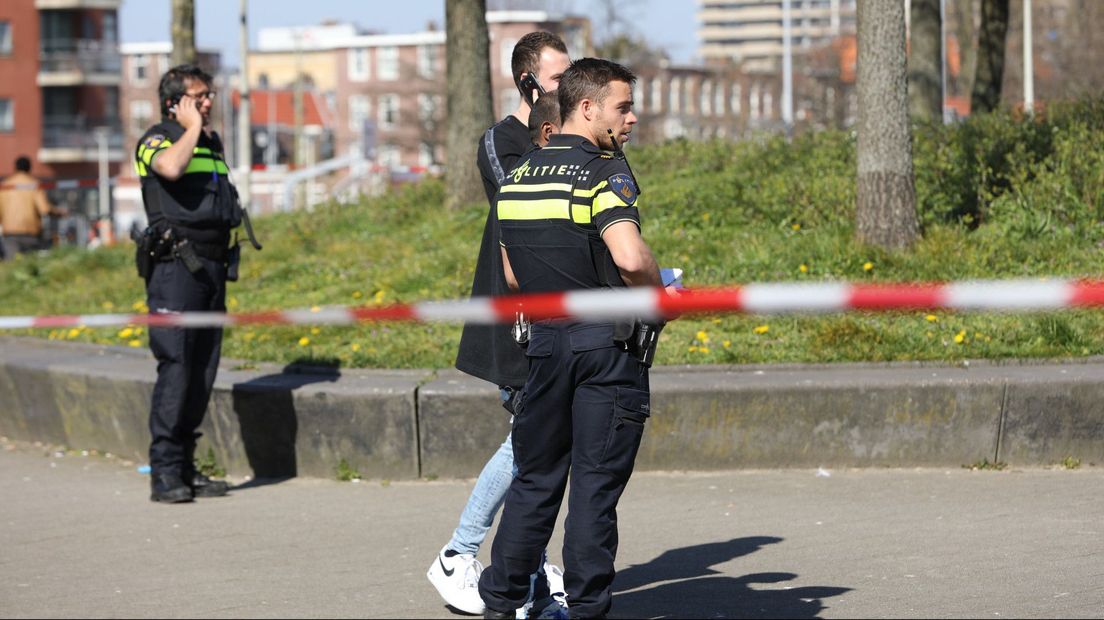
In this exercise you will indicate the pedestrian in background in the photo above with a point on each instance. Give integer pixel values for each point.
(23, 204)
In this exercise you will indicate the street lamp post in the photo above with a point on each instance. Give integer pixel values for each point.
(1029, 67)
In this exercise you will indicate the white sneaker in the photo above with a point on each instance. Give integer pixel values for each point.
(456, 577)
(556, 583)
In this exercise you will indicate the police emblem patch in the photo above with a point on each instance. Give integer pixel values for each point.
(154, 140)
(623, 186)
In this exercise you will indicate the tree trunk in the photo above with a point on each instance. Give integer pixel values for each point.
(990, 56)
(925, 62)
(885, 213)
(469, 98)
(183, 32)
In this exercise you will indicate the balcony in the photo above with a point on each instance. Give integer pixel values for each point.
(72, 62)
(72, 140)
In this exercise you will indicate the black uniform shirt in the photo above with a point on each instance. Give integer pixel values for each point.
(553, 209)
(489, 351)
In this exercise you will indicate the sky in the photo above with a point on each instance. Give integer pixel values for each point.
(670, 24)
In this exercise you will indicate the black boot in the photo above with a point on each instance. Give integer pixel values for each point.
(202, 486)
(169, 488)
(490, 613)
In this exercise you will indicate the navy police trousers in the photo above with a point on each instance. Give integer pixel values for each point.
(582, 413)
(187, 360)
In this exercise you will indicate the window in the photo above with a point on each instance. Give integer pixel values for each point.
(768, 105)
(734, 100)
(706, 105)
(427, 61)
(425, 154)
(428, 108)
(110, 28)
(675, 96)
(139, 68)
(657, 95)
(718, 99)
(638, 96)
(360, 110)
(359, 69)
(7, 115)
(505, 58)
(141, 114)
(389, 156)
(5, 39)
(387, 63)
(388, 111)
(754, 102)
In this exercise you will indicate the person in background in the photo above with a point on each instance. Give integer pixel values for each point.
(23, 204)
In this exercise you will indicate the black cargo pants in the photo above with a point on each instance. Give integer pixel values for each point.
(187, 360)
(582, 413)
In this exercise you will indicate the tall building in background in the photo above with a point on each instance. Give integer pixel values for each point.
(60, 73)
(749, 32)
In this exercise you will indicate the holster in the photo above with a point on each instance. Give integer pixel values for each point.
(642, 341)
(233, 259)
(152, 246)
(185, 251)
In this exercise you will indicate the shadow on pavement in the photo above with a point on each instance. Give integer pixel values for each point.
(702, 592)
(265, 407)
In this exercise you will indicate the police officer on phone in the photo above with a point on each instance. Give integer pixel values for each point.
(186, 257)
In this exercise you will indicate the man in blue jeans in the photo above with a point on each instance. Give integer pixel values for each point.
(489, 352)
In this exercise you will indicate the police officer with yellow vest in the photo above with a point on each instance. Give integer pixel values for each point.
(568, 217)
(186, 258)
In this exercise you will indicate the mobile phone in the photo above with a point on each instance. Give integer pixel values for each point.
(527, 85)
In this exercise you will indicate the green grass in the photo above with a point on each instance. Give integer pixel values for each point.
(999, 197)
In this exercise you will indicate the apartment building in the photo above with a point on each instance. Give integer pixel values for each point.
(387, 91)
(751, 31)
(59, 94)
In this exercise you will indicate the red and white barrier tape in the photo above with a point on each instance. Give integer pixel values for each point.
(770, 298)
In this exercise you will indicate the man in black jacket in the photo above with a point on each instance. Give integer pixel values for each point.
(184, 255)
(490, 352)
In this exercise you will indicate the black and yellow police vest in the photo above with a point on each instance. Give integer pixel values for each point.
(202, 198)
(553, 208)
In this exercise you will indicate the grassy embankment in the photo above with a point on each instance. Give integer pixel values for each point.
(999, 197)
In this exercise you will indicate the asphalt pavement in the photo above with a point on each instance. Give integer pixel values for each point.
(80, 538)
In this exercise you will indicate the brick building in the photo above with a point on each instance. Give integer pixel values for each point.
(59, 93)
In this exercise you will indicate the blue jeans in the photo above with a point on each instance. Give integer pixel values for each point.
(485, 501)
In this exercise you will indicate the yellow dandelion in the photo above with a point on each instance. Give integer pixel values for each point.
(315, 309)
(762, 329)
(727, 343)
(705, 216)
(315, 331)
(357, 294)
(139, 305)
(249, 336)
(692, 349)
(378, 297)
(138, 331)
(107, 305)
(703, 349)
(135, 343)
(803, 268)
(304, 341)
(867, 266)
(960, 337)
(795, 226)
(232, 303)
(702, 336)
(716, 321)
(931, 318)
(126, 333)
(73, 333)
(355, 347)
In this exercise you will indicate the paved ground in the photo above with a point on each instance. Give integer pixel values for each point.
(79, 538)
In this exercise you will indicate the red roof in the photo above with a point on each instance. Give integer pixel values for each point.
(281, 105)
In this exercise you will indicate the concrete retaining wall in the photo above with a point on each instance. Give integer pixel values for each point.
(271, 421)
